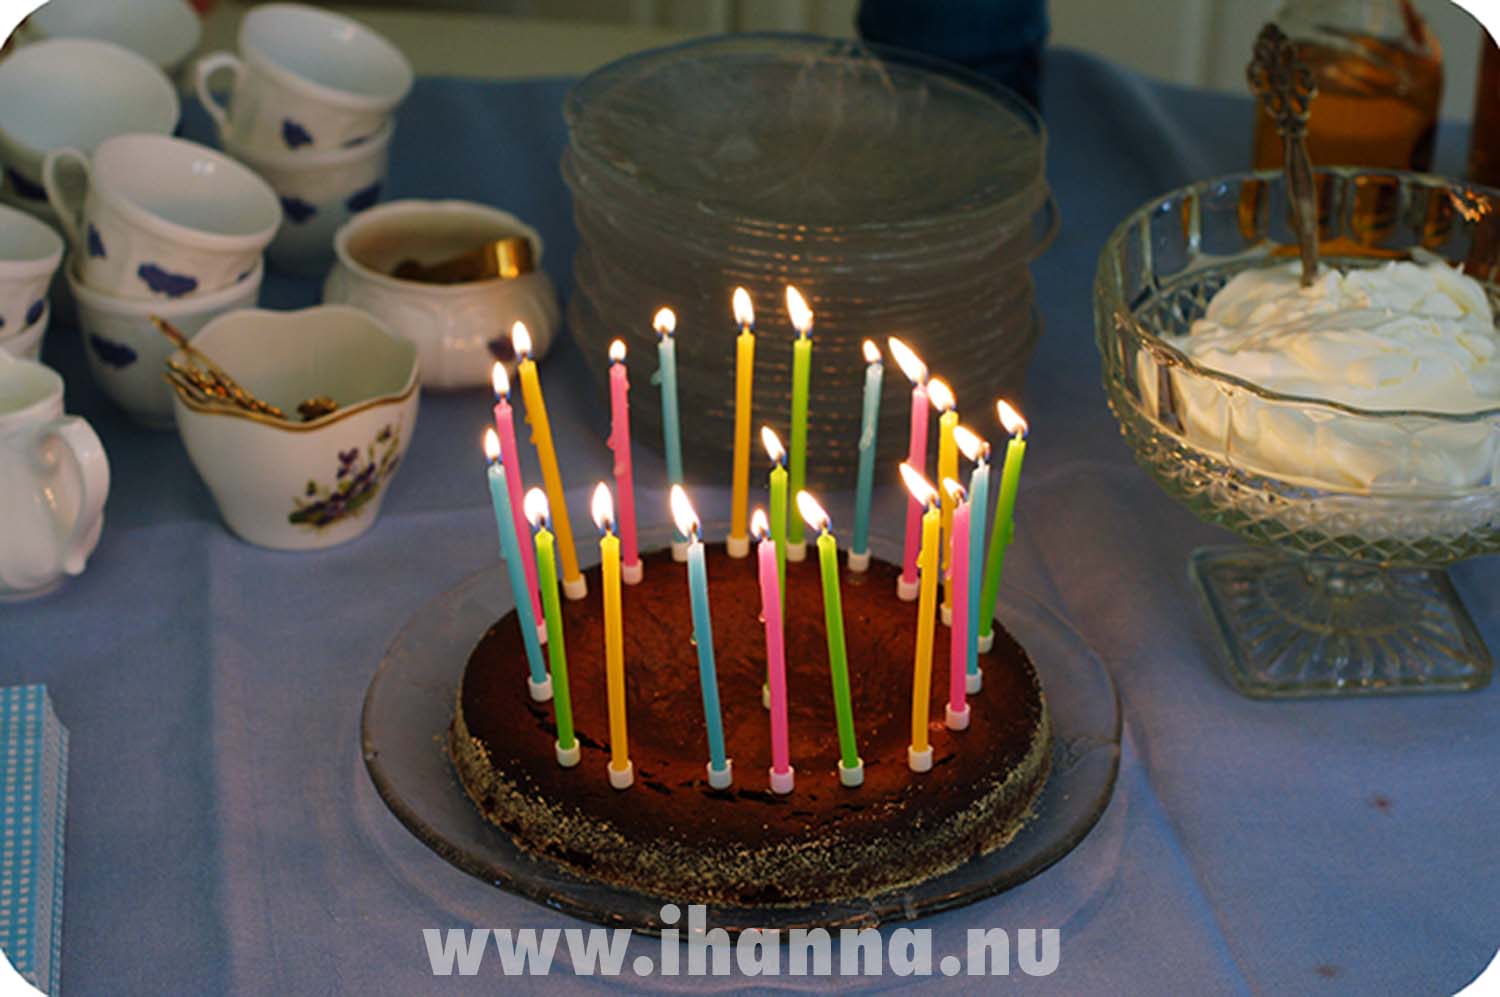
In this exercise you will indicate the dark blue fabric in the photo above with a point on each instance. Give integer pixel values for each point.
(223, 836)
(1001, 39)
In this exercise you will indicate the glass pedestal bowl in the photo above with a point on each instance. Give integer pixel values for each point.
(1353, 513)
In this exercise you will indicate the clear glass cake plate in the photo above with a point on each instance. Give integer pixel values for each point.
(1353, 514)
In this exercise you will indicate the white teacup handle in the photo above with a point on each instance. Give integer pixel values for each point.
(67, 199)
(82, 445)
(203, 74)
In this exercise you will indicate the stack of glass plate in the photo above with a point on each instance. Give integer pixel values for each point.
(901, 196)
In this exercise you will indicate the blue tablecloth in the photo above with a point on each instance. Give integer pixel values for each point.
(223, 835)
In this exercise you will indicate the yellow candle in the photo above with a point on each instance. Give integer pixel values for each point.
(739, 522)
(573, 584)
(621, 771)
(947, 467)
(919, 753)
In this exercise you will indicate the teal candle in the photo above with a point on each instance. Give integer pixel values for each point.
(510, 552)
(671, 429)
(1004, 525)
(865, 483)
(703, 635)
(802, 321)
(979, 494)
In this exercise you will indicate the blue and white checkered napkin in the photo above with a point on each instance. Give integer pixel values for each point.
(33, 810)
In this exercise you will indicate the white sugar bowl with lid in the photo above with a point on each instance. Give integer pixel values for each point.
(460, 329)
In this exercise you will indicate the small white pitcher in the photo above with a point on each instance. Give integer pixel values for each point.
(54, 478)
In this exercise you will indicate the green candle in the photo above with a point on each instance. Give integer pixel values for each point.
(851, 769)
(802, 321)
(774, 450)
(1003, 530)
(557, 658)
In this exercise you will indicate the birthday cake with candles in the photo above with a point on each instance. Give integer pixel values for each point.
(770, 721)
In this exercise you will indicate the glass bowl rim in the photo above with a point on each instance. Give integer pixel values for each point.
(1105, 288)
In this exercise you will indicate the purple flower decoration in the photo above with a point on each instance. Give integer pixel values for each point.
(173, 285)
(113, 354)
(35, 311)
(96, 244)
(297, 210)
(363, 198)
(294, 135)
(357, 480)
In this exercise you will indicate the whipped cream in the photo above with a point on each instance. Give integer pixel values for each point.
(1415, 336)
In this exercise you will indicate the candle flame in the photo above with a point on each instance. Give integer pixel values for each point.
(911, 365)
(921, 489)
(500, 381)
(665, 322)
(954, 489)
(491, 445)
(941, 395)
(969, 443)
(536, 508)
(520, 339)
(617, 351)
(1011, 419)
(772, 443)
(796, 307)
(683, 513)
(760, 527)
(812, 513)
(603, 508)
(744, 311)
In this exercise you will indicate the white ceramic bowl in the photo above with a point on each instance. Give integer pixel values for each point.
(127, 354)
(27, 343)
(460, 330)
(76, 92)
(163, 31)
(319, 192)
(303, 485)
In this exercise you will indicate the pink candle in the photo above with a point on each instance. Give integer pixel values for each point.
(958, 657)
(770, 607)
(505, 427)
(916, 455)
(619, 443)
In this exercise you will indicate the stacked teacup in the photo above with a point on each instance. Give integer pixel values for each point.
(29, 254)
(311, 101)
(160, 228)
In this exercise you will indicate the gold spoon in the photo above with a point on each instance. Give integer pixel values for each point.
(208, 383)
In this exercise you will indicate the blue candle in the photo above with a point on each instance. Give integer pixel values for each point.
(979, 495)
(859, 550)
(720, 775)
(510, 552)
(671, 430)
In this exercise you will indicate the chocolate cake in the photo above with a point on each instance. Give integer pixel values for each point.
(670, 834)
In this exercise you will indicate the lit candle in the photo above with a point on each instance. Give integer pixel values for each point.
(665, 323)
(851, 768)
(859, 550)
(919, 752)
(978, 451)
(557, 656)
(916, 455)
(621, 771)
(574, 587)
(631, 569)
(738, 543)
(770, 611)
(720, 768)
(778, 489)
(957, 716)
(510, 456)
(947, 467)
(802, 321)
(510, 553)
(1004, 526)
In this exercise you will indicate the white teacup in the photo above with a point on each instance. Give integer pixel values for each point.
(29, 253)
(164, 31)
(54, 478)
(75, 92)
(27, 344)
(319, 192)
(155, 217)
(305, 79)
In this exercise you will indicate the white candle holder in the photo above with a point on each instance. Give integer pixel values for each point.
(568, 757)
(986, 642)
(907, 591)
(946, 613)
(796, 551)
(919, 761)
(765, 696)
(782, 782)
(680, 551)
(631, 574)
(541, 691)
(974, 681)
(575, 589)
(854, 775)
(957, 719)
(621, 778)
(737, 547)
(721, 778)
(859, 563)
